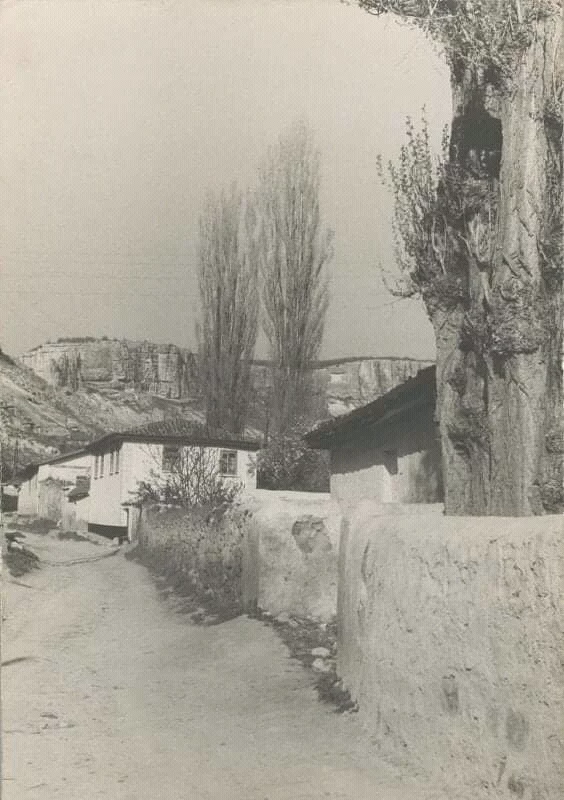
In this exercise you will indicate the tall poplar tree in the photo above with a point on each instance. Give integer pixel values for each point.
(227, 332)
(294, 250)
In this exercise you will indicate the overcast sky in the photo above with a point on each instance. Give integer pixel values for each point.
(118, 115)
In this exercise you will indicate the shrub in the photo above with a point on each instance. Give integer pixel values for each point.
(191, 480)
(288, 463)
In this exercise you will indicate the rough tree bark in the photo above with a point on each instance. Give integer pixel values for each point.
(499, 336)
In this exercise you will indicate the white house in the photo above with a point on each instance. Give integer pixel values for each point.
(43, 486)
(120, 461)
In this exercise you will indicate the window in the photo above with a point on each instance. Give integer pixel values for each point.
(112, 463)
(171, 457)
(102, 465)
(116, 462)
(228, 462)
(96, 466)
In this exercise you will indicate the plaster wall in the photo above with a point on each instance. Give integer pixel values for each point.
(451, 635)
(51, 499)
(141, 462)
(106, 493)
(399, 465)
(76, 515)
(290, 555)
(28, 497)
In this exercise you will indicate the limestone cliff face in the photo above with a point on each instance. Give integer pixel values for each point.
(170, 371)
(164, 370)
(348, 384)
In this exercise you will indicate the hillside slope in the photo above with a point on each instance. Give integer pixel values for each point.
(38, 420)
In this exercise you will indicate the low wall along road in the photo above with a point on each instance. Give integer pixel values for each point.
(452, 641)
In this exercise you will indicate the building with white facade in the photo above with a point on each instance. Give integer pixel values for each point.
(121, 461)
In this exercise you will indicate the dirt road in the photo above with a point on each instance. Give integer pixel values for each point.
(118, 696)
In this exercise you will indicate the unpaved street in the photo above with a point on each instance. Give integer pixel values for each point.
(119, 696)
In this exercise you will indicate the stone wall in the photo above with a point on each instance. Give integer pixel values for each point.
(202, 553)
(452, 642)
(277, 551)
(291, 554)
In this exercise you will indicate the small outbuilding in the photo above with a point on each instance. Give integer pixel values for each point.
(387, 451)
(43, 486)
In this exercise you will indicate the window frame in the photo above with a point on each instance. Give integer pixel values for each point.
(169, 465)
(226, 454)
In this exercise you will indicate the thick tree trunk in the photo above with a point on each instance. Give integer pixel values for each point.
(499, 373)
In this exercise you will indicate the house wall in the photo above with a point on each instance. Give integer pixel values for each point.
(451, 634)
(142, 460)
(139, 462)
(29, 500)
(106, 492)
(66, 470)
(399, 465)
(28, 497)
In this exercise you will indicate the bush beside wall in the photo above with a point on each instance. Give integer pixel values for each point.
(200, 550)
(277, 551)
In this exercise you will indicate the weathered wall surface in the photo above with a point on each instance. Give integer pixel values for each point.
(452, 641)
(400, 465)
(75, 515)
(51, 499)
(291, 554)
(277, 551)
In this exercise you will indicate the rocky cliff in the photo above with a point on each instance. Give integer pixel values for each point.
(172, 372)
(165, 370)
(38, 420)
(347, 384)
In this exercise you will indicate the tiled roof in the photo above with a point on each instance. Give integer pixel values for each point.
(403, 398)
(175, 426)
(180, 431)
